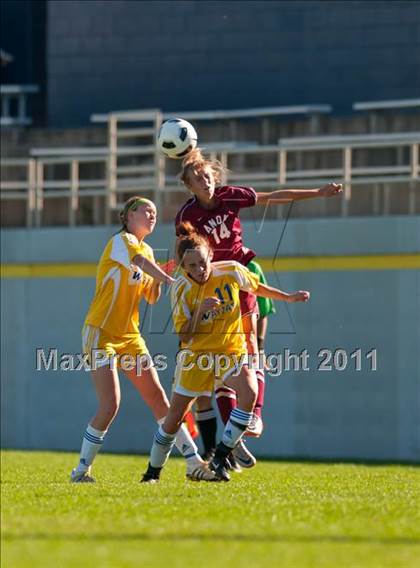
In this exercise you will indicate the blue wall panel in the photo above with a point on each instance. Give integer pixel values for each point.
(335, 414)
(176, 55)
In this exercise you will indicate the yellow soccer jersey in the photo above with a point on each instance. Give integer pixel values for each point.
(220, 330)
(120, 286)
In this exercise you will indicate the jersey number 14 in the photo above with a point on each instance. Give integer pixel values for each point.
(224, 233)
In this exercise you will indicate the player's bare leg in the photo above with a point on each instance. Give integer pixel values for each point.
(148, 386)
(107, 387)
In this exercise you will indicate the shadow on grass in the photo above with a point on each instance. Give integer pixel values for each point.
(292, 539)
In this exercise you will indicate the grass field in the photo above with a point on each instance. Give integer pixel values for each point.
(279, 514)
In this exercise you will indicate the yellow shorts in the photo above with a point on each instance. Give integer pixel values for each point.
(104, 349)
(195, 373)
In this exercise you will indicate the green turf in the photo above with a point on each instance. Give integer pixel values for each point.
(279, 514)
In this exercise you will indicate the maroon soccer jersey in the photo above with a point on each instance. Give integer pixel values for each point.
(222, 225)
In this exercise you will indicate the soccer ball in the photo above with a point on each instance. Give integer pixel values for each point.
(176, 138)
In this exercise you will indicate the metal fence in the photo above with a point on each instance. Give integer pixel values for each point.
(131, 163)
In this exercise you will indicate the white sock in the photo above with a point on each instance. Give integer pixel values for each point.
(161, 448)
(92, 442)
(237, 424)
(185, 444)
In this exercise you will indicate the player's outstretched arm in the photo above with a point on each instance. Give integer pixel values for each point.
(152, 269)
(288, 195)
(270, 292)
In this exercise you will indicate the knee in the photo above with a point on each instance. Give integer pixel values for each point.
(109, 409)
(250, 393)
(203, 403)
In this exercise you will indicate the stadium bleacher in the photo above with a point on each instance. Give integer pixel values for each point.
(103, 176)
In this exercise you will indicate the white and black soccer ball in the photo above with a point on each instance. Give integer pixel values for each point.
(176, 138)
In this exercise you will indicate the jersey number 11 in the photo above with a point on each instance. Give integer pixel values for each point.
(220, 294)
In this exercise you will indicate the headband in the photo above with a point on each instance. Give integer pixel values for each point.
(141, 201)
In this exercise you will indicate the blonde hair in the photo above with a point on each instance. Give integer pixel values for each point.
(196, 161)
(131, 205)
(188, 239)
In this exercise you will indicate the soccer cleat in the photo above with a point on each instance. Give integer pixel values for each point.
(233, 464)
(255, 427)
(220, 466)
(149, 479)
(243, 455)
(209, 455)
(152, 475)
(200, 472)
(81, 476)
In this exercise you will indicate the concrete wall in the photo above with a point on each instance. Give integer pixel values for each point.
(313, 414)
(186, 55)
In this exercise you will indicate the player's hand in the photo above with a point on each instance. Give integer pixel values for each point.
(330, 189)
(169, 267)
(209, 304)
(300, 296)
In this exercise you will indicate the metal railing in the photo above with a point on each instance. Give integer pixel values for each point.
(376, 108)
(133, 167)
(22, 189)
(351, 175)
(74, 186)
(126, 166)
(131, 163)
(36, 188)
(17, 93)
(232, 116)
(387, 105)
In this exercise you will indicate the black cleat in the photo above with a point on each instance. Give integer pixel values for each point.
(233, 465)
(152, 475)
(209, 455)
(220, 466)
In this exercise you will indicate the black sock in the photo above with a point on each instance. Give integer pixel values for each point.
(207, 424)
(222, 451)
